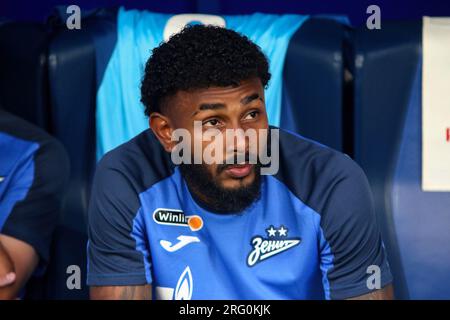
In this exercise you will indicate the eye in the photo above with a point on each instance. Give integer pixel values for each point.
(251, 115)
(211, 123)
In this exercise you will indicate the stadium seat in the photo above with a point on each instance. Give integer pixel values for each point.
(72, 82)
(23, 71)
(388, 147)
(49, 79)
(314, 92)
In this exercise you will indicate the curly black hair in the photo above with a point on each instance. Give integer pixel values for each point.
(199, 57)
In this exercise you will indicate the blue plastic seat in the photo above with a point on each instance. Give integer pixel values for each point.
(314, 87)
(388, 147)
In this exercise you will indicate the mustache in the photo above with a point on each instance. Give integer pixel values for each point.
(233, 160)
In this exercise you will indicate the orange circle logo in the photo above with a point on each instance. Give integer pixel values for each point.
(195, 223)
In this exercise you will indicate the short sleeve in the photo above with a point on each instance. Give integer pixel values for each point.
(34, 196)
(350, 240)
(117, 251)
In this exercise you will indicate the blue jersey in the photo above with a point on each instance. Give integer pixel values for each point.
(311, 235)
(34, 169)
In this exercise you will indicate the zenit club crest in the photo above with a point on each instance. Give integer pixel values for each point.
(276, 242)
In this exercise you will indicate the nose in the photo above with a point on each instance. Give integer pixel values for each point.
(236, 142)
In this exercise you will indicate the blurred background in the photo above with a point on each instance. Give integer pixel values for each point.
(355, 88)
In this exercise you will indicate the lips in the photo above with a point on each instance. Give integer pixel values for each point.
(239, 170)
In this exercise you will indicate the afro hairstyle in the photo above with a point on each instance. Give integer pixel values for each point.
(199, 57)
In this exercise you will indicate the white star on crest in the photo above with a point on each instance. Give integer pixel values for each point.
(271, 231)
(282, 231)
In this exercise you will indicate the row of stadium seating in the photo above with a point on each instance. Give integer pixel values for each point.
(353, 89)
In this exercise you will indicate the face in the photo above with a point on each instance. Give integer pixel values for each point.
(220, 108)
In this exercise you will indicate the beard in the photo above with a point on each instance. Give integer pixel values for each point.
(214, 197)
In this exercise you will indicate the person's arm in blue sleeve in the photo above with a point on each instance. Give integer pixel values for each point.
(353, 259)
(118, 261)
(30, 209)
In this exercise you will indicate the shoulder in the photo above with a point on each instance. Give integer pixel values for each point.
(21, 129)
(141, 162)
(314, 172)
(26, 143)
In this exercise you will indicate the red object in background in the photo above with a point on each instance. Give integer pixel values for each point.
(448, 135)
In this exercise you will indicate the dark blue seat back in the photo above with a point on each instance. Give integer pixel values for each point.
(72, 81)
(73, 87)
(313, 83)
(388, 147)
(23, 71)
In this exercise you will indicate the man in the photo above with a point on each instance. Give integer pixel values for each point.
(33, 171)
(220, 230)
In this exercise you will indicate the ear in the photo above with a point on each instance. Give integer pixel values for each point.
(162, 129)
